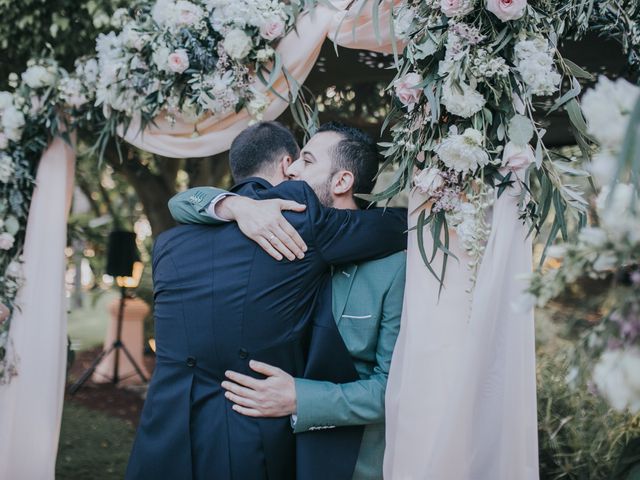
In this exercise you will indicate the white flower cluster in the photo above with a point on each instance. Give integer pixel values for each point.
(464, 152)
(617, 377)
(607, 108)
(485, 66)
(12, 120)
(39, 76)
(207, 70)
(534, 61)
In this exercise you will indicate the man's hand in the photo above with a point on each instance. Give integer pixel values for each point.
(275, 396)
(262, 222)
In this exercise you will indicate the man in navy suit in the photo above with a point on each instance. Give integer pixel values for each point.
(220, 300)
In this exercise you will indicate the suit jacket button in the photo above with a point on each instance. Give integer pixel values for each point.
(191, 361)
(243, 353)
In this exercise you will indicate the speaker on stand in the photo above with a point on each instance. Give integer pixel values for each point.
(123, 263)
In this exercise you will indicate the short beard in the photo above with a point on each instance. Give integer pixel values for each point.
(323, 192)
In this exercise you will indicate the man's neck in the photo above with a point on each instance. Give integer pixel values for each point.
(345, 203)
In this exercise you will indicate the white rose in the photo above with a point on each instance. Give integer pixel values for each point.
(463, 153)
(160, 57)
(272, 28)
(516, 157)
(462, 100)
(164, 12)
(178, 61)
(237, 44)
(607, 108)
(429, 181)
(6, 241)
(12, 122)
(6, 168)
(6, 100)
(456, 8)
(38, 76)
(534, 62)
(188, 13)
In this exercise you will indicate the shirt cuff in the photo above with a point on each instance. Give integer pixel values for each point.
(294, 420)
(211, 208)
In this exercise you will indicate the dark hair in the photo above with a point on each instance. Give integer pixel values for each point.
(356, 152)
(259, 148)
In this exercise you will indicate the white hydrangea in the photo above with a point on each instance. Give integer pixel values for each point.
(534, 62)
(12, 123)
(607, 108)
(461, 99)
(6, 100)
(463, 152)
(38, 76)
(617, 376)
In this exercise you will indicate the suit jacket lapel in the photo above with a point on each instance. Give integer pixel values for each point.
(341, 288)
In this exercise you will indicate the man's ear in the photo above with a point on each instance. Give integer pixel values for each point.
(343, 182)
(284, 164)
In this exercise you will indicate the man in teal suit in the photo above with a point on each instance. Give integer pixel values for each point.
(367, 301)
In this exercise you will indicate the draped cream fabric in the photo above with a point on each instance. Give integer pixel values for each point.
(461, 397)
(31, 404)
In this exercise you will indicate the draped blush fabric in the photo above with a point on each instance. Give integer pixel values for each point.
(351, 26)
(31, 403)
(461, 397)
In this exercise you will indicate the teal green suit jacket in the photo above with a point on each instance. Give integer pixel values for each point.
(367, 305)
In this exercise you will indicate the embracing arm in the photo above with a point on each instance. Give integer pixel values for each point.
(322, 404)
(191, 205)
(261, 221)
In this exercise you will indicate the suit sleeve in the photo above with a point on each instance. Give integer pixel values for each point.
(346, 236)
(322, 404)
(190, 206)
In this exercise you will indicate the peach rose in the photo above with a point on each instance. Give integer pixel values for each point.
(507, 10)
(407, 90)
(178, 61)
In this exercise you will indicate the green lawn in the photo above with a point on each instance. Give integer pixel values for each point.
(92, 445)
(87, 326)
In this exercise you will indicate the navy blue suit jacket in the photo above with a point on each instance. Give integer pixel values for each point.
(220, 301)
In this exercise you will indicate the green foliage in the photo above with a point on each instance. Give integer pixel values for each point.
(63, 29)
(580, 437)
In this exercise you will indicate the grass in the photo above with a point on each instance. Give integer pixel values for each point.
(87, 326)
(92, 445)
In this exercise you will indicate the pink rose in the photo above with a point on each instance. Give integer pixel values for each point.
(516, 157)
(6, 241)
(272, 29)
(4, 141)
(507, 10)
(407, 90)
(4, 313)
(178, 61)
(456, 8)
